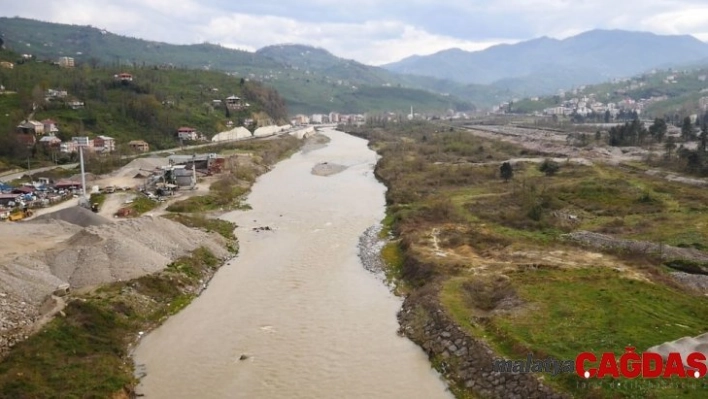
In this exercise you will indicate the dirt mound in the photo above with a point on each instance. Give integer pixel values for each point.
(74, 215)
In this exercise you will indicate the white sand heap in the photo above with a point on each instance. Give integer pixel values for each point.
(238, 133)
(266, 131)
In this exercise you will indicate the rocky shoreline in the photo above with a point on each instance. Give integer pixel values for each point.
(464, 361)
(370, 245)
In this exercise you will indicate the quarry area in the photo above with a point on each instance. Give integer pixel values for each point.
(64, 248)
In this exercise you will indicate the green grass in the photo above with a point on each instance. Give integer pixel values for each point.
(98, 198)
(567, 312)
(142, 204)
(224, 228)
(85, 353)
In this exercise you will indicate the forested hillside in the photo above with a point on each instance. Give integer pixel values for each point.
(150, 107)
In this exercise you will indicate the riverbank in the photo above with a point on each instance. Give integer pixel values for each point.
(295, 312)
(85, 350)
(492, 269)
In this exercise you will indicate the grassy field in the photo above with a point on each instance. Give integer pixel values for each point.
(495, 249)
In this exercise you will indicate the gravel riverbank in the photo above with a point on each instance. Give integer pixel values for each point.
(370, 245)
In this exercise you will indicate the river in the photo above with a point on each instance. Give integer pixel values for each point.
(311, 322)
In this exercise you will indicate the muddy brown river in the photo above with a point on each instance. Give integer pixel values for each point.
(310, 320)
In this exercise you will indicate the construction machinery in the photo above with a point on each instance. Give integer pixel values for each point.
(20, 214)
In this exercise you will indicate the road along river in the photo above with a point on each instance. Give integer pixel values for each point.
(295, 315)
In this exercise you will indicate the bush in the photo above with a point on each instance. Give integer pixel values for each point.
(549, 167)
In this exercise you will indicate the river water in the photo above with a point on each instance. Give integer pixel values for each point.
(296, 301)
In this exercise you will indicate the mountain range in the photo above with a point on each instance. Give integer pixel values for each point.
(312, 80)
(543, 65)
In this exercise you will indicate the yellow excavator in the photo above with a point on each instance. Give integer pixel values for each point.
(20, 214)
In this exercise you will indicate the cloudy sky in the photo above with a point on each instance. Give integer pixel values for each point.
(370, 31)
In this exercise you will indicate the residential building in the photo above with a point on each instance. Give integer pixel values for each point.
(50, 127)
(27, 139)
(234, 102)
(124, 77)
(139, 146)
(187, 134)
(8, 65)
(50, 142)
(104, 144)
(75, 104)
(66, 62)
(31, 127)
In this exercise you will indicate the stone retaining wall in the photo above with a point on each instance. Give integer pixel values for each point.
(465, 361)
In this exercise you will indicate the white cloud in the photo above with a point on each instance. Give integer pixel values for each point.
(371, 31)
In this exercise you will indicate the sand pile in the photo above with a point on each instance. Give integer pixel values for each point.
(74, 215)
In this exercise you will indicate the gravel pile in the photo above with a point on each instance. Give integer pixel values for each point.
(38, 257)
(74, 215)
(140, 165)
(126, 250)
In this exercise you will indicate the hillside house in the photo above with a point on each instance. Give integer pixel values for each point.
(31, 127)
(50, 127)
(234, 102)
(139, 146)
(124, 77)
(8, 65)
(187, 134)
(104, 144)
(75, 104)
(52, 94)
(50, 142)
(27, 139)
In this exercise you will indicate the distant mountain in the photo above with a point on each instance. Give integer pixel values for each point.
(544, 65)
(310, 79)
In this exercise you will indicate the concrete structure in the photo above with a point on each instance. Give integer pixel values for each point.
(31, 127)
(139, 146)
(66, 62)
(187, 134)
(239, 133)
(104, 144)
(50, 127)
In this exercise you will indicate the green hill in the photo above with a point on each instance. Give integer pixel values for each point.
(151, 107)
(311, 80)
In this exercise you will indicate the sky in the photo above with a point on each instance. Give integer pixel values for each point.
(373, 32)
